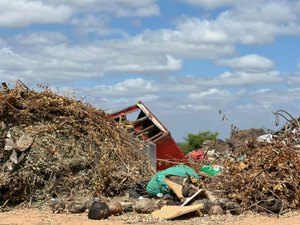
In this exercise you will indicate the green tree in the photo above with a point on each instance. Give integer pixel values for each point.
(195, 141)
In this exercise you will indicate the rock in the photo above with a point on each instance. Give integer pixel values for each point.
(134, 194)
(233, 207)
(144, 205)
(57, 205)
(127, 207)
(98, 210)
(76, 207)
(115, 208)
(216, 210)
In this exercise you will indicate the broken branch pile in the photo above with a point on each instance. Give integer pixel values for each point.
(55, 144)
(266, 178)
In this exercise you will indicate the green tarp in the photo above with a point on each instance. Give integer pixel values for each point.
(157, 186)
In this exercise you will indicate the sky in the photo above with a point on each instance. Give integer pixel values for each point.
(198, 65)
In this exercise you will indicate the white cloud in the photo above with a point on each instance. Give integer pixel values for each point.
(152, 51)
(248, 63)
(41, 38)
(298, 65)
(205, 85)
(127, 87)
(37, 67)
(244, 78)
(276, 99)
(293, 80)
(20, 13)
(213, 92)
(61, 62)
(194, 107)
(248, 22)
(95, 24)
(144, 67)
(116, 8)
(209, 4)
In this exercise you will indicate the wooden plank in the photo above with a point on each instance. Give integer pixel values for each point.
(171, 211)
(177, 188)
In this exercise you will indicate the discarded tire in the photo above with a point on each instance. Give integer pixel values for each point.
(98, 211)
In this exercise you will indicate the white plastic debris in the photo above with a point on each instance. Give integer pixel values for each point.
(265, 138)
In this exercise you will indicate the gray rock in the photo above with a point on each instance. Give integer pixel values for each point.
(57, 205)
(127, 207)
(144, 205)
(216, 210)
(76, 207)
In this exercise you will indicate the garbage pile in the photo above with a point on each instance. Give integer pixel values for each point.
(263, 173)
(257, 172)
(52, 144)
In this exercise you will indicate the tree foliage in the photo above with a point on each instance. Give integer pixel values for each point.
(195, 141)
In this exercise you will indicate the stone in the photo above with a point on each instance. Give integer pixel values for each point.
(115, 208)
(57, 205)
(216, 210)
(98, 210)
(127, 207)
(76, 207)
(144, 205)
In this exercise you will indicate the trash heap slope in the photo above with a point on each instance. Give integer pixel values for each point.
(265, 176)
(75, 149)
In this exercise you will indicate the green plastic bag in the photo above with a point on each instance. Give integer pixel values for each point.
(211, 170)
(157, 186)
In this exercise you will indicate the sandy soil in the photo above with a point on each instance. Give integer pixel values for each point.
(46, 217)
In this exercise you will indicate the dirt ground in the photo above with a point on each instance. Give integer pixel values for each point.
(46, 217)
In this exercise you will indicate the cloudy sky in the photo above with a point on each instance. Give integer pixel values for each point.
(185, 59)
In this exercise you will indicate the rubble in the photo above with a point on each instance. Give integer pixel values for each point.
(261, 173)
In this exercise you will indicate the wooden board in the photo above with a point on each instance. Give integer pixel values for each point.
(170, 212)
(177, 188)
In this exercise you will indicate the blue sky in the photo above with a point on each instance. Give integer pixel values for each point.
(185, 59)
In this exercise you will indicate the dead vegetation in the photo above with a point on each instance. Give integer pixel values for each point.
(73, 149)
(262, 176)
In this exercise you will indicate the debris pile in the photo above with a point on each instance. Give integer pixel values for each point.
(265, 173)
(269, 175)
(52, 145)
(56, 144)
